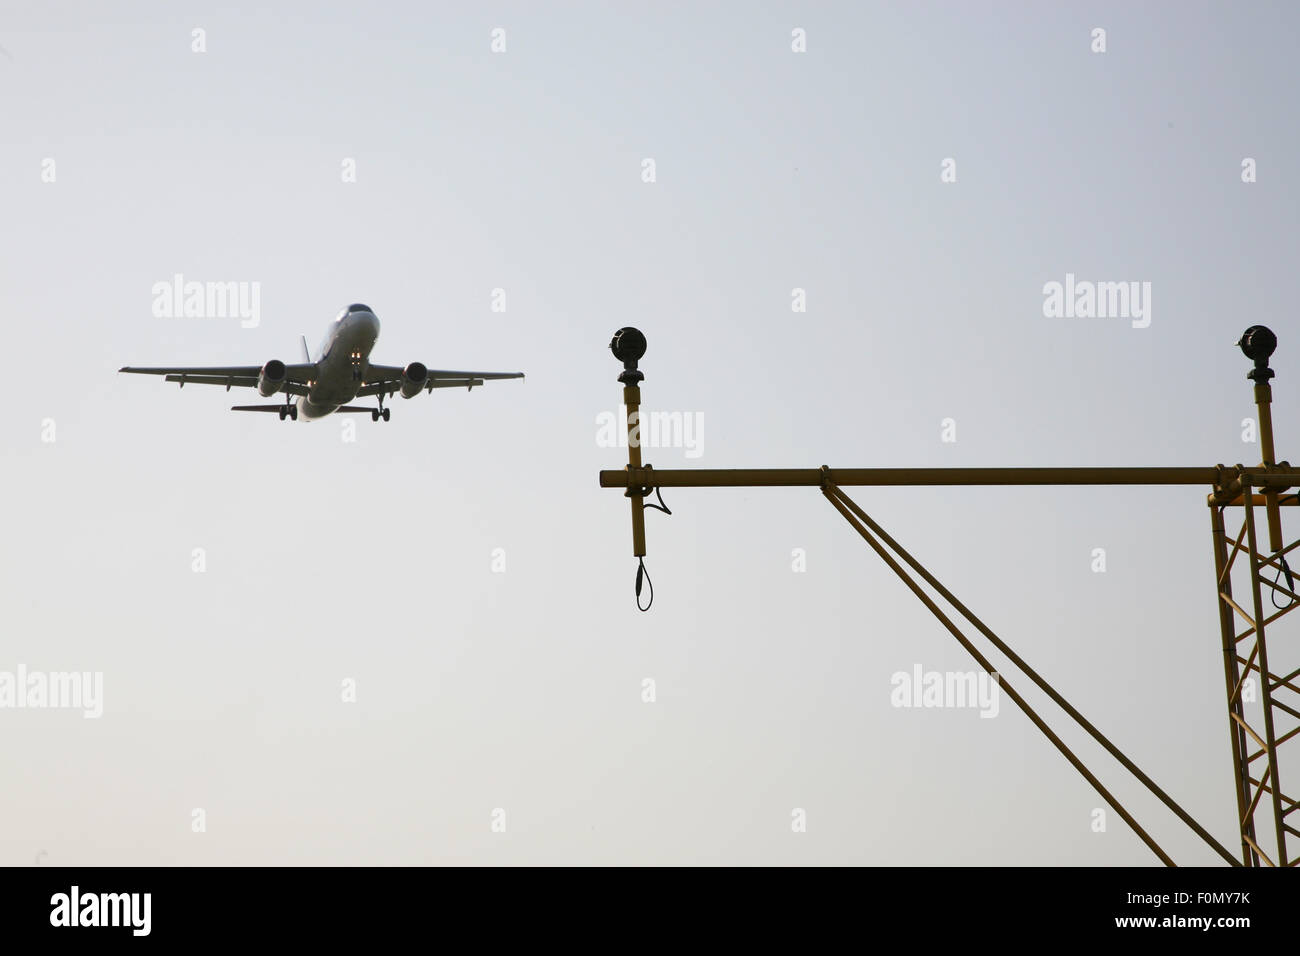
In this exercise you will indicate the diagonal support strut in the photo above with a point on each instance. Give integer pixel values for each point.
(860, 522)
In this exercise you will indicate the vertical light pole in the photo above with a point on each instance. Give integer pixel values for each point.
(628, 346)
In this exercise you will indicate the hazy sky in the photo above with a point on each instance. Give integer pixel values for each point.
(376, 561)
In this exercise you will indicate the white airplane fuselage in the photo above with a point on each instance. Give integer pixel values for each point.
(342, 364)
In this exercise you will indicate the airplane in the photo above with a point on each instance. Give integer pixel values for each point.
(342, 373)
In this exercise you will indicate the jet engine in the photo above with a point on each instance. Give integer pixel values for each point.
(414, 377)
(271, 379)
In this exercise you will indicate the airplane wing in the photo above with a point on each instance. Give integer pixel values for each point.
(387, 379)
(245, 376)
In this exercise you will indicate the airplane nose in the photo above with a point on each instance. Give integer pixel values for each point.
(368, 321)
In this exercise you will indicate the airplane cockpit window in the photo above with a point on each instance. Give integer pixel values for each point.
(358, 307)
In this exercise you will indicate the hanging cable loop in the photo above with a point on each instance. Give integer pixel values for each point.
(642, 573)
(1284, 570)
(659, 507)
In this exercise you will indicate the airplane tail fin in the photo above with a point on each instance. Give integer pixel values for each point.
(306, 353)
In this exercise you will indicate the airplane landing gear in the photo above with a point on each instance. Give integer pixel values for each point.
(289, 411)
(381, 411)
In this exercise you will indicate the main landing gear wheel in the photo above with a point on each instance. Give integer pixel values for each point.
(289, 411)
(387, 413)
